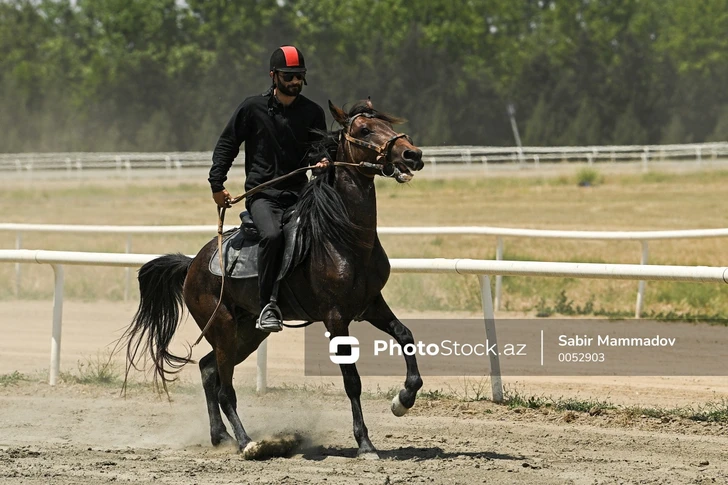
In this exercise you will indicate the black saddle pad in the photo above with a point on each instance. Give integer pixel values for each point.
(240, 252)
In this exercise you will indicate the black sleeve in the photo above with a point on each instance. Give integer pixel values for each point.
(316, 139)
(228, 147)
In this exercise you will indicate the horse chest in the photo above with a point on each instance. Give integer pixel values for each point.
(351, 275)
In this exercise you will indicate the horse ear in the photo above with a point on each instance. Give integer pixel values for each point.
(369, 102)
(338, 114)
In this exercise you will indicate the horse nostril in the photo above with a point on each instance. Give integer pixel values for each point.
(413, 155)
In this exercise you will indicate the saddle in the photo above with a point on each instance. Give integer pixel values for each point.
(240, 248)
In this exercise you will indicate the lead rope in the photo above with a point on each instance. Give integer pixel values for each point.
(220, 223)
(235, 200)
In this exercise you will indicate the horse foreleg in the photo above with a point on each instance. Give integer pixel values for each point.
(352, 384)
(381, 316)
(211, 385)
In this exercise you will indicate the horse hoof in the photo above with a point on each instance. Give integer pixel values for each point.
(251, 450)
(223, 440)
(368, 455)
(397, 408)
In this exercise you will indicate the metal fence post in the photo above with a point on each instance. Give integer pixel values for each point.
(498, 278)
(261, 384)
(641, 285)
(496, 382)
(18, 245)
(57, 323)
(127, 285)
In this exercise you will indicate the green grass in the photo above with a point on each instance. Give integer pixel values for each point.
(715, 412)
(513, 399)
(712, 412)
(622, 202)
(587, 177)
(97, 370)
(12, 379)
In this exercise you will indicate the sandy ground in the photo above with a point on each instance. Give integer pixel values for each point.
(72, 434)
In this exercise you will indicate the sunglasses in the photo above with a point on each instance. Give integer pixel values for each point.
(290, 76)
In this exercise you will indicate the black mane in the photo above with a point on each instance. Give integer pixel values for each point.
(324, 220)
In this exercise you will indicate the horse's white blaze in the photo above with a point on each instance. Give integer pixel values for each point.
(397, 408)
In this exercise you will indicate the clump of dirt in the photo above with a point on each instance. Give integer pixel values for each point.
(274, 447)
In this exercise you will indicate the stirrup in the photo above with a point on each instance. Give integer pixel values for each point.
(270, 326)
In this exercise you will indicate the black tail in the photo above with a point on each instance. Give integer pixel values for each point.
(158, 316)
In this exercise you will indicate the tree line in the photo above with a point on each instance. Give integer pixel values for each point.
(148, 75)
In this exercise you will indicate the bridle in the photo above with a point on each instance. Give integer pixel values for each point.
(384, 151)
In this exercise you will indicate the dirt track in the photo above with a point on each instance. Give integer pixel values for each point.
(82, 434)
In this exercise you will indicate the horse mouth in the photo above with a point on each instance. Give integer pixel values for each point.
(403, 174)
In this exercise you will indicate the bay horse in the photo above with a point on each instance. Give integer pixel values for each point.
(339, 273)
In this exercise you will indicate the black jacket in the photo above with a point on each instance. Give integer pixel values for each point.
(278, 139)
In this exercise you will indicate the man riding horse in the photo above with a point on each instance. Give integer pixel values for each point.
(278, 128)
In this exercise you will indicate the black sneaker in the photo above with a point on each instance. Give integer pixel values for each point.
(269, 319)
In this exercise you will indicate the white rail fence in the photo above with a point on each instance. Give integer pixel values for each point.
(643, 237)
(487, 156)
(480, 268)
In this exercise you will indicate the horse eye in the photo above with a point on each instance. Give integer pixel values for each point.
(365, 131)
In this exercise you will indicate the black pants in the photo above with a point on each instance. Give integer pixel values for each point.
(267, 214)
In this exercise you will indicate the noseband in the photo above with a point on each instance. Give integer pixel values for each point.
(384, 151)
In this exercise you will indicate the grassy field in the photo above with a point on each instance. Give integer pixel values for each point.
(618, 202)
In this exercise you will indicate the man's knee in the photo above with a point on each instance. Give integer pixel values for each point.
(271, 238)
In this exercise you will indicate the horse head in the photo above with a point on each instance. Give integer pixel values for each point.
(368, 136)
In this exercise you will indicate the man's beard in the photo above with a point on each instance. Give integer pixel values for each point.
(292, 90)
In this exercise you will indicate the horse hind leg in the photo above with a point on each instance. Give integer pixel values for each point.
(232, 349)
(211, 385)
(381, 316)
(228, 355)
(233, 340)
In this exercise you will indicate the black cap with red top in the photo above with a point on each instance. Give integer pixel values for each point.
(287, 59)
